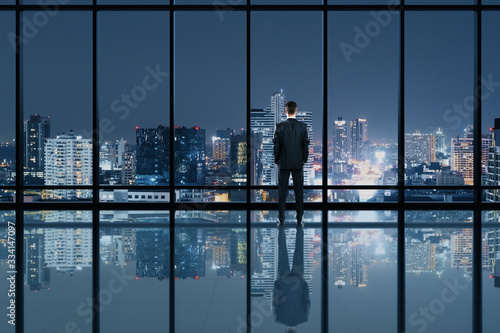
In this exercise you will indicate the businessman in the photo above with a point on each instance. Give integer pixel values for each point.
(291, 150)
(291, 301)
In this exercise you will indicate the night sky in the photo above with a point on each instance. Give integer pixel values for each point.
(210, 70)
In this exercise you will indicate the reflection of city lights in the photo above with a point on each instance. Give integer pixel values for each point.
(380, 250)
(380, 155)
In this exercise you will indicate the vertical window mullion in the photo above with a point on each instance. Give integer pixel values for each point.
(477, 261)
(172, 179)
(19, 218)
(401, 300)
(249, 173)
(324, 183)
(95, 180)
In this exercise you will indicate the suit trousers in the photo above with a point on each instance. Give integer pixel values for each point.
(298, 255)
(298, 188)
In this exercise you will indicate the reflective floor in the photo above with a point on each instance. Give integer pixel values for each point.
(214, 262)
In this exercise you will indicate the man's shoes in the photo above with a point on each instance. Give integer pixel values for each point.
(281, 223)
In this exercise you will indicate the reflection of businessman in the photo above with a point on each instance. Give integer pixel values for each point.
(291, 150)
(291, 300)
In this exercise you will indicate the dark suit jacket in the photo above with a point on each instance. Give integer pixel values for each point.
(291, 301)
(291, 144)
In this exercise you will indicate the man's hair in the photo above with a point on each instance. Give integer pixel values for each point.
(291, 107)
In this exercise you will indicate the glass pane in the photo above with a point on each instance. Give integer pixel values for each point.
(134, 196)
(129, 217)
(210, 274)
(51, 8)
(391, 5)
(57, 216)
(491, 216)
(265, 195)
(491, 279)
(8, 239)
(491, 195)
(61, 195)
(490, 99)
(442, 2)
(363, 216)
(287, 2)
(310, 218)
(363, 279)
(57, 89)
(362, 195)
(133, 2)
(211, 195)
(286, 279)
(438, 216)
(439, 96)
(134, 103)
(7, 195)
(210, 100)
(193, 217)
(221, 6)
(433, 195)
(288, 68)
(438, 279)
(134, 272)
(58, 277)
(7, 99)
(363, 76)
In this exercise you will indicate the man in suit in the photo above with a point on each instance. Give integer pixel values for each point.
(291, 150)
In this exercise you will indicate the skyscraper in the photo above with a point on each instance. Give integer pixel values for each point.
(340, 141)
(277, 106)
(36, 272)
(128, 168)
(263, 123)
(153, 248)
(420, 148)
(220, 148)
(359, 139)
(493, 171)
(68, 249)
(153, 155)
(189, 147)
(36, 132)
(306, 117)
(238, 159)
(440, 142)
(462, 154)
(68, 161)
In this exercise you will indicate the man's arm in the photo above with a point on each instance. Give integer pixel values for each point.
(305, 146)
(276, 145)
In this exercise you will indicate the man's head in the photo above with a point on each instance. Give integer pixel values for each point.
(291, 108)
(290, 330)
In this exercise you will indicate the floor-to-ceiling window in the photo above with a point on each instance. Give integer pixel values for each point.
(138, 189)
